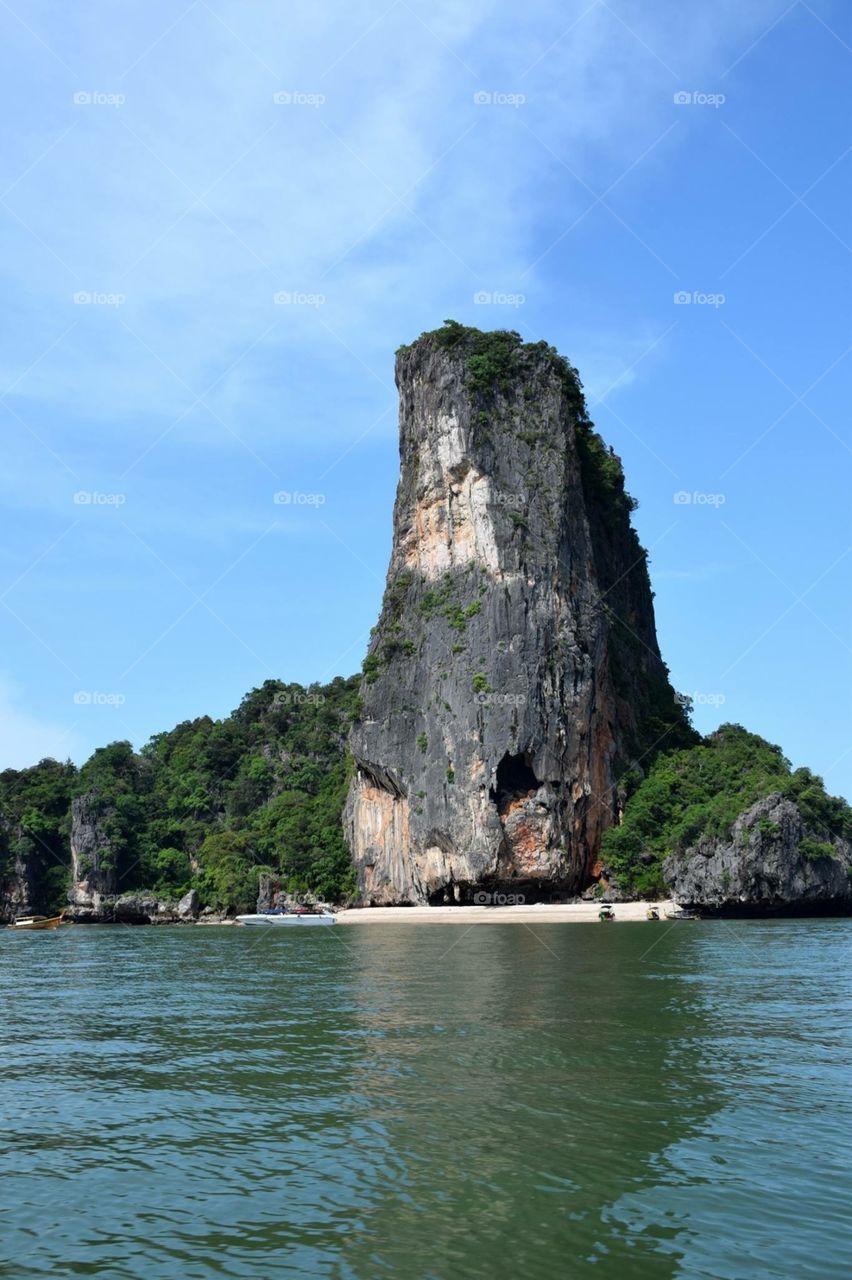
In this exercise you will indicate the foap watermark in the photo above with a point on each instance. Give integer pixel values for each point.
(697, 98)
(298, 98)
(482, 898)
(683, 298)
(292, 298)
(94, 698)
(299, 698)
(295, 498)
(501, 498)
(487, 98)
(484, 298)
(94, 498)
(492, 699)
(698, 699)
(94, 298)
(683, 498)
(97, 98)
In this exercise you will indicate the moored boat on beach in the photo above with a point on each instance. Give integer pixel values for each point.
(285, 918)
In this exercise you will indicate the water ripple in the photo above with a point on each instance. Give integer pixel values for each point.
(419, 1102)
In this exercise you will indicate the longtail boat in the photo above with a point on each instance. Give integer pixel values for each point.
(38, 922)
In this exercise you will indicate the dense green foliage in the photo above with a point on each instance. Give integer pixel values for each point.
(700, 791)
(34, 822)
(209, 805)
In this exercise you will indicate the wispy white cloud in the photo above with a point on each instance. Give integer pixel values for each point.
(197, 198)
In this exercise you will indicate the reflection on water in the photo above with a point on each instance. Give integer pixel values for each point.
(427, 1101)
(761, 1188)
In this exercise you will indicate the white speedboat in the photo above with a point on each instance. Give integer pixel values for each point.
(288, 919)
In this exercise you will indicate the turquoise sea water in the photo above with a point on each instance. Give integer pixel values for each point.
(644, 1100)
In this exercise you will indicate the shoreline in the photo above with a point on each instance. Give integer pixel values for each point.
(519, 913)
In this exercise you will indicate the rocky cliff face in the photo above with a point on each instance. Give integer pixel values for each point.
(766, 863)
(514, 672)
(16, 891)
(93, 897)
(92, 866)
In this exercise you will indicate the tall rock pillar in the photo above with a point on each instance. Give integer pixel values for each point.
(514, 672)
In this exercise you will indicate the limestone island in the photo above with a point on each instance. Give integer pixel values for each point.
(513, 736)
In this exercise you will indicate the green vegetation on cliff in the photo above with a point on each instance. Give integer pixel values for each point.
(497, 358)
(208, 805)
(34, 823)
(261, 790)
(701, 791)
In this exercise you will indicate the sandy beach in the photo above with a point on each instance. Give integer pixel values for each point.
(525, 913)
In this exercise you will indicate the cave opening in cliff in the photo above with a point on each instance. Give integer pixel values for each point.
(499, 891)
(515, 777)
(381, 779)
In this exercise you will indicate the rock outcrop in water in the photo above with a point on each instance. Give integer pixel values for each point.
(514, 672)
(768, 862)
(728, 825)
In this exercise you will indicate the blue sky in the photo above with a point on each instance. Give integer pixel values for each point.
(418, 154)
